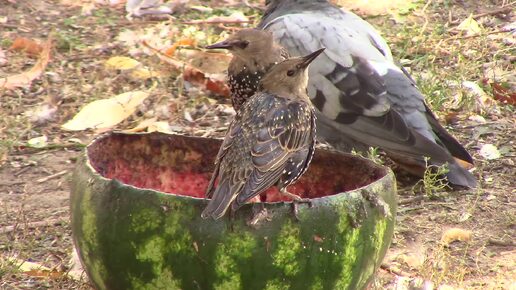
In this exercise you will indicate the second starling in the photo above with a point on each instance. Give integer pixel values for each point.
(254, 53)
(270, 142)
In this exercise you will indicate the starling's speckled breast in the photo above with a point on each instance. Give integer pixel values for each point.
(243, 85)
(244, 81)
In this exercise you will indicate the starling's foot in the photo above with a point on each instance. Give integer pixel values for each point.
(232, 215)
(296, 200)
(260, 215)
(295, 207)
(295, 197)
(295, 210)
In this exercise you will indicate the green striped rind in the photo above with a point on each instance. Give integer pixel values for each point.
(129, 238)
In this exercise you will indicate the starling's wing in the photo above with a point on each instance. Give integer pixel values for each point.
(360, 92)
(257, 129)
(234, 130)
(231, 171)
(286, 141)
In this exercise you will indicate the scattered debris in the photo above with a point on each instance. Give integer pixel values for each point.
(490, 152)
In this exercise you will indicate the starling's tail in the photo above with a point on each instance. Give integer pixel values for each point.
(218, 205)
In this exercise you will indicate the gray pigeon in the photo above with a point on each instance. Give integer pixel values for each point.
(363, 98)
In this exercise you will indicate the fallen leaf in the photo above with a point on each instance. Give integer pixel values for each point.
(503, 94)
(144, 7)
(202, 80)
(26, 265)
(26, 45)
(451, 117)
(162, 127)
(87, 9)
(484, 101)
(490, 152)
(122, 63)
(38, 142)
(45, 274)
(446, 287)
(470, 26)
(194, 75)
(144, 73)
(200, 8)
(76, 271)
(102, 114)
(477, 119)
(377, 7)
(208, 62)
(235, 17)
(464, 217)
(142, 125)
(182, 42)
(24, 79)
(134, 67)
(3, 57)
(76, 141)
(34, 269)
(110, 2)
(456, 234)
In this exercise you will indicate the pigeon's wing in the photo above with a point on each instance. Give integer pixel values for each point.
(355, 25)
(358, 90)
(346, 81)
(282, 148)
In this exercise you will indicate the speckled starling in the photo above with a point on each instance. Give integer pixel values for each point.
(363, 98)
(254, 52)
(270, 142)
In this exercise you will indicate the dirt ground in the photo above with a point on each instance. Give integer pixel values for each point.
(35, 182)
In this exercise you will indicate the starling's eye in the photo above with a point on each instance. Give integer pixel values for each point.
(291, 72)
(243, 44)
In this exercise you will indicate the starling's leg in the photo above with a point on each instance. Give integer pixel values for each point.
(231, 218)
(296, 199)
(260, 215)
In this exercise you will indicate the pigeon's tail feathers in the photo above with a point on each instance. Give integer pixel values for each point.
(458, 175)
(446, 139)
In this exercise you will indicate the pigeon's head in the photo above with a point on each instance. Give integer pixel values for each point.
(246, 43)
(289, 77)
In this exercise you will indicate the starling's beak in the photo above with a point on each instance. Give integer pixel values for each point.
(306, 60)
(222, 45)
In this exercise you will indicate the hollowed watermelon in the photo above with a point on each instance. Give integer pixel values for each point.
(136, 204)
